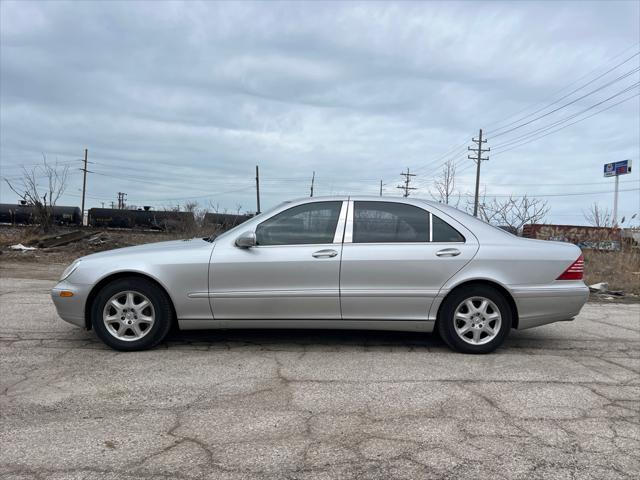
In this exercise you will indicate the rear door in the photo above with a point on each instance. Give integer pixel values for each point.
(395, 258)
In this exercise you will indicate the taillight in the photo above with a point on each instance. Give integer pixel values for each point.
(575, 270)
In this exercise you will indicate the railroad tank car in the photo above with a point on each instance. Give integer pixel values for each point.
(25, 214)
(148, 219)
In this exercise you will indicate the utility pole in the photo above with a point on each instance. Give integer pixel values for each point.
(112, 205)
(380, 187)
(84, 182)
(257, 190)
(407, 179)
(121, 199)
(478, 158)
(313, 177)
(615, 204)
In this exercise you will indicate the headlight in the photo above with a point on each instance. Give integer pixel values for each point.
(69, 270)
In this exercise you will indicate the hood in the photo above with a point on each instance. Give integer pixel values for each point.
(154, 248)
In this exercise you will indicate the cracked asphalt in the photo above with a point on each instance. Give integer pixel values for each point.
(560, 401)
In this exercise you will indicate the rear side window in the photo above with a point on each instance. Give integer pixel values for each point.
(443, 232)
(387, 222)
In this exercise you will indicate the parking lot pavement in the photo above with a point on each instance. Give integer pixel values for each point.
(560, 401)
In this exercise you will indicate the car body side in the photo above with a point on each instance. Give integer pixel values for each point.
(525, 269)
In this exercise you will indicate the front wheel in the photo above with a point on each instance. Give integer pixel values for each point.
(131, 314)
(475, 319)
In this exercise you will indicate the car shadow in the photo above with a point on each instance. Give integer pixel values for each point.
(297, 339)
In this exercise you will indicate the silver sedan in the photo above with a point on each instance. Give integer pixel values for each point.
(335, 262)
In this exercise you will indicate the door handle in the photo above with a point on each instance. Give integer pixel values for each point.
(448, 252)
(328, 253)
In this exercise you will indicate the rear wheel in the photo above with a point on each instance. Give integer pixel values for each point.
(131, 314)
(475, 319)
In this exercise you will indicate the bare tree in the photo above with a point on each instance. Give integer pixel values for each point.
(445, 185)
(598, 216)
(190, 206)
(214, 208)
(513, 212)
(41, 187)
(198, 213)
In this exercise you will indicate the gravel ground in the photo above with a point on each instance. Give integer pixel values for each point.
(560, 401)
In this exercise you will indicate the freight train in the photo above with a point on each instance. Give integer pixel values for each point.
(26, 214)
(121, 218)
(146, 219)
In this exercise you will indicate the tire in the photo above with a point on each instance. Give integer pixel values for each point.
(485, 332)
(139, 307)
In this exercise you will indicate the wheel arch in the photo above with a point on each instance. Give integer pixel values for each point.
(487, 283)
(116, 276)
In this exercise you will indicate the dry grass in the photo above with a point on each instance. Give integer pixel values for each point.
(107, 240)
(621, 270)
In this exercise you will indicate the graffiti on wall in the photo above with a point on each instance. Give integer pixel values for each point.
(595, 238)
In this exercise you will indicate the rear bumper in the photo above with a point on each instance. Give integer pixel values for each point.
(542, 304)
(71, 309)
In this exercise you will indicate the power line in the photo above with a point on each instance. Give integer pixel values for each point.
(565, 126)
(565, 119)
(617, 79)
(25, 165)
(210, 195)
(554, 184)
(550, 194)
(451, 153)
(568, 94)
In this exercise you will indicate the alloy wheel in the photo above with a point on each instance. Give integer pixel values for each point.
(128, 315)
(477, 320)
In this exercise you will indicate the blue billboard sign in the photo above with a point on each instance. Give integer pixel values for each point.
(617, 168)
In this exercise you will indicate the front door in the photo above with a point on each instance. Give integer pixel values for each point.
(395, 259)
(291, 273)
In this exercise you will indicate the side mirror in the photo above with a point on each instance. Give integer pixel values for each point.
(246, 240)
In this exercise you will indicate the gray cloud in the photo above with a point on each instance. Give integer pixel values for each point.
(178, 100)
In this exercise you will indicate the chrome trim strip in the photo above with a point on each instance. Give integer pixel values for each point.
(316, 293)
(348, 231)
(266, 294)
(337, 238)
(388, 293)
(198, 295)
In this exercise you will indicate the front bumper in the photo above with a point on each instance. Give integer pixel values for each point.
(71, 309)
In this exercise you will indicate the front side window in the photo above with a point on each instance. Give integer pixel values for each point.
(303, 224)
(385, 222)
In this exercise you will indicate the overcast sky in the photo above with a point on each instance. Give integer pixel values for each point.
(180, 101)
